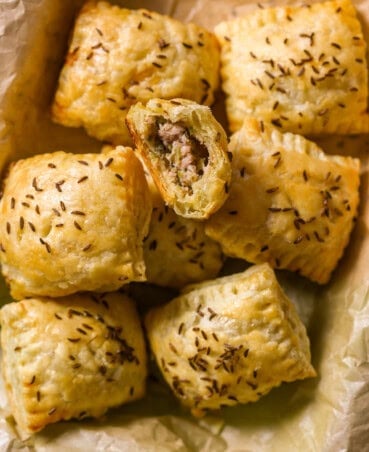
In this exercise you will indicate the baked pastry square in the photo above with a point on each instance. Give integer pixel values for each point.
(74, 222)
(301, 68)
(177, 251)
(229, 340)
(72, 357)
(119, 56)
(289, 203)
(185, 151)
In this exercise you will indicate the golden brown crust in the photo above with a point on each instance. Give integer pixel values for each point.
(229, 340)
(119, 56)
(289, 203)
(177, 251)
(193, 182)
(74, 222)
(300, 68)
(74, 357)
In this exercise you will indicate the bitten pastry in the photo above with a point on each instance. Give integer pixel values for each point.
(185, 150)
(289, 204)
(229, 341)
(301, 68)
(73, 357)
(176, 250)
(119, 56)
(74, 222)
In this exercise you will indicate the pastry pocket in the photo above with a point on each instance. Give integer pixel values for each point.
(73, 357)
(185, 150)
(289, 204)
(229, 341)
(119, 56)
(300, 68)
(177, 251)
(74, 222)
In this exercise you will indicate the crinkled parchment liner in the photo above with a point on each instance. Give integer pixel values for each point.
(329, 413)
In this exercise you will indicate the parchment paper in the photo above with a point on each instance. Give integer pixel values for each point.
(329, 413)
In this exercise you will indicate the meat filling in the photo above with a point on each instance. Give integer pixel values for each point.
(184, 156)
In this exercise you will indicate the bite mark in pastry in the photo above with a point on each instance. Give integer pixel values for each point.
(73, 357)
(119, 56)
(185, 150)
(229, 340)
(74, 222)
(301, 68)
(289, 204)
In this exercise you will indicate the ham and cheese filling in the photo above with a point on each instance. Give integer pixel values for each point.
(185, 158)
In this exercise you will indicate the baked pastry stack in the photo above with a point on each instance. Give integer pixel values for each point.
(77, 223)
(72, 223)
(289, 205)
(299, 69)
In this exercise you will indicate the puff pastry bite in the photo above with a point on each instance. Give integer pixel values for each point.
(71, 357)
(229, 341)
(119, 56)
(289, 204)
(301, 68)
(185, 150)
(74, 222)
